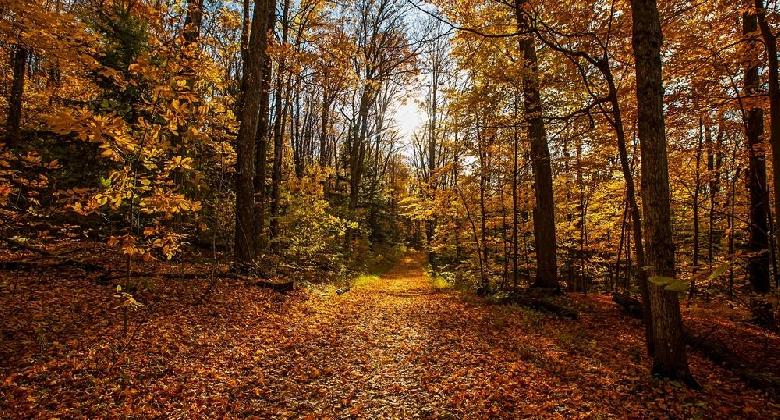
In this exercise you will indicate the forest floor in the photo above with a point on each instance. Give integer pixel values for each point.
(392, 346)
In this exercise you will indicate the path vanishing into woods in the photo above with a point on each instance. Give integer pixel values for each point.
(393, 346)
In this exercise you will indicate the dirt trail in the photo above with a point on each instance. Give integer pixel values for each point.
(390, 347)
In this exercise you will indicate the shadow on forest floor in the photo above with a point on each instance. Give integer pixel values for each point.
(393, 347)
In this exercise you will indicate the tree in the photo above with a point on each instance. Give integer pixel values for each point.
(669, 358)
(14, 119)
(770, 42)
(544, 211)
(251, 90)
(758, 229)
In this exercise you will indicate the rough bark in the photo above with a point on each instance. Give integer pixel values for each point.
(245, 239)
(669, 357)
(757, 266)
(19, 55)
(280, 108)
(770, 41)
(261, 137)
(515, 222)
(544, 211)
(324, 157)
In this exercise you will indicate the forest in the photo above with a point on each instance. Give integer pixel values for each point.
(389, 209)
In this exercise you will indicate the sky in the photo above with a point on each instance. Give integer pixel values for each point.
(409, 118)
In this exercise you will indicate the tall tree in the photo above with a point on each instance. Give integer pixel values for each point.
(251, 83)
(261, 137)
(544, 211)
(669, 358)
(19, 57)
(770, 42)
(280, 110)
(758, 239)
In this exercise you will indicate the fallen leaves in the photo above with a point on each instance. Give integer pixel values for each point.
(391, 347)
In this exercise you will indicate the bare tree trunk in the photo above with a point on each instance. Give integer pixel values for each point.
(504, 237)
(696, 200)
(544, 212)
(714, 161)
(432, 154)
(192, 21)
(485, 286)
(770, 41)
(245, 29)
(669, 358)
(515, 142)
(324, 157)
(246, 235)
(261, 138)
(280, 107)
(631, 201)
(758, 239)
(19, 55)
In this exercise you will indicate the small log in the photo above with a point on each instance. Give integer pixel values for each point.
(117, 275)
(631, 305)
(28, 265)
(281, 287)
(342, 290)
(719, 353)
(59, 261)
(538, 299)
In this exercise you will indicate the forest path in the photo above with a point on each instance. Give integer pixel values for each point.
(394, 346)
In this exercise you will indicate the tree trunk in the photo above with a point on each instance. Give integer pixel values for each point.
(246, 235)
(324, 157)
(261, 138)
(714, 161)
(696, 200)
(19, 55)
(631, 201)
(358, 144)
(669, 358)
(770, 41)
(485, 282)
(515, 143)
(280, 107)
(758, 240)
(544, 211)
(192, 21)
(432, 154)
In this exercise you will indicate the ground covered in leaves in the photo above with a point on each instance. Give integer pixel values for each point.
(392, 346)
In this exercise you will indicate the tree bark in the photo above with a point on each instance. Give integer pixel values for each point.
(770, 41)
(669, 358)
(544, 211)
(758, 239)
(432, 153)
(280, 108)
(246, 235)
(631, 201)
(324, 157)
(696, 212)
(19, 55)
(192, 21)
(515, 144)
(261, 138)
